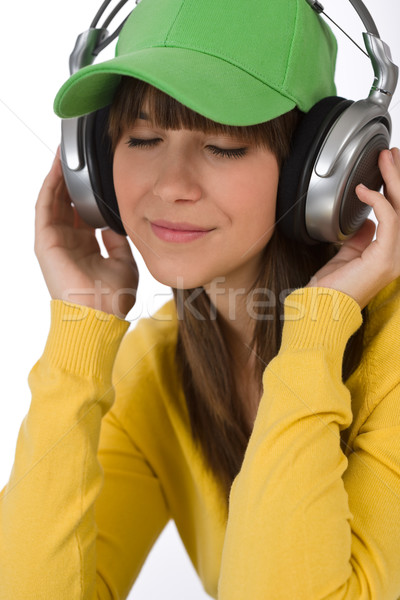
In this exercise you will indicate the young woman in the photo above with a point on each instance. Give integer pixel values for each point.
(258, 409)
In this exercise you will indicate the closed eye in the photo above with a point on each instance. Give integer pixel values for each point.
(221, 152)
(228, 152)
(142, 143)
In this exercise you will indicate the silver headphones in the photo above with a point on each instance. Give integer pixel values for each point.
(335, 147)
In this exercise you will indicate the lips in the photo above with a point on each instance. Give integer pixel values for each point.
(178, 233)
(183, 226)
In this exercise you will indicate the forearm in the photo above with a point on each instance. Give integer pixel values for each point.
(288, 532)
(47, 524)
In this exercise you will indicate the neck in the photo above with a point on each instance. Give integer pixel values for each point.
(236, 322)
(238, 329)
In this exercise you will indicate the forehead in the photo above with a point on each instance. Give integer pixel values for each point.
(160, 111)
(136, 101)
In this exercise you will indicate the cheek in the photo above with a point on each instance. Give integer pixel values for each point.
(251, 197)
(256, 215)
(128, 184)
(121, 180)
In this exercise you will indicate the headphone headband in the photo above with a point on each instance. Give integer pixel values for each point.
(361, 10)
(91, 42)
(386, 73)
(337, 147)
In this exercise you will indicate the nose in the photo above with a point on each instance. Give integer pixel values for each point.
(177, 178)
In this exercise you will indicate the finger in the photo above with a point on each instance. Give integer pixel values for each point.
(62, 206)
(388, 220)
(64, 211)
(389, 165)
(52, 179)
(48, 195)
(116, 245)
(396, 156)
(79, 222)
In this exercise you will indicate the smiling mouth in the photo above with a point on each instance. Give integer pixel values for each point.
(178, 232)
(184, 226)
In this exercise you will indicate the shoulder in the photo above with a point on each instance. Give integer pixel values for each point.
(149, 403)
(377, 376)
(378, 372)
(145, 375)
(384, 310)
(382, 331)
(149, 346)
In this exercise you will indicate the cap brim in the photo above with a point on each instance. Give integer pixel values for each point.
(234, 98)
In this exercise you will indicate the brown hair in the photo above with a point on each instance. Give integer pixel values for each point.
(217, 415)
(167, 113)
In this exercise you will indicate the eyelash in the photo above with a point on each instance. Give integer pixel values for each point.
(221, 152)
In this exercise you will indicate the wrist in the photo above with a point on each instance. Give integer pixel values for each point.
(101, 298)
(319, 316)
(83, 340)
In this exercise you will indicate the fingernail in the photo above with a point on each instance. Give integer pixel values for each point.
(391, 156)
(362, 186)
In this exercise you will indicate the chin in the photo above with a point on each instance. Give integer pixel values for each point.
(178, 280)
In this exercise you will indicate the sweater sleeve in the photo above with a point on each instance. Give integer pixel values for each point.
(304, 521)
(52, 545)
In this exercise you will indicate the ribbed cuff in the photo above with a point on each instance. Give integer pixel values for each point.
(82, 340)
(317, 316)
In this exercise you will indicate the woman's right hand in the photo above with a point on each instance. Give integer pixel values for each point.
(70, 257)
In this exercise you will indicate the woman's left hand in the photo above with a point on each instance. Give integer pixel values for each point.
(363, 267)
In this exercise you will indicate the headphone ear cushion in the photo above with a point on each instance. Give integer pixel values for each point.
(297, 169)
(99, 160)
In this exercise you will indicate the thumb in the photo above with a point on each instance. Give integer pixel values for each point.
(362, 238)
(116, 245)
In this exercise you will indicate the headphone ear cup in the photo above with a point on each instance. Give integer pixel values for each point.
(297, 169)
(353, 212)
(99, 159)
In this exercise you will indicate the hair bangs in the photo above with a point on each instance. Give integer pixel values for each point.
(133, 96)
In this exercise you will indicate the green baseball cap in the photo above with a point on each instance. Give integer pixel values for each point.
(236, 62)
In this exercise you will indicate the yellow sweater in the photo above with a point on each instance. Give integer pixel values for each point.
(313, 514)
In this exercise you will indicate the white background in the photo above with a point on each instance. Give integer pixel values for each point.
(36, 40)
